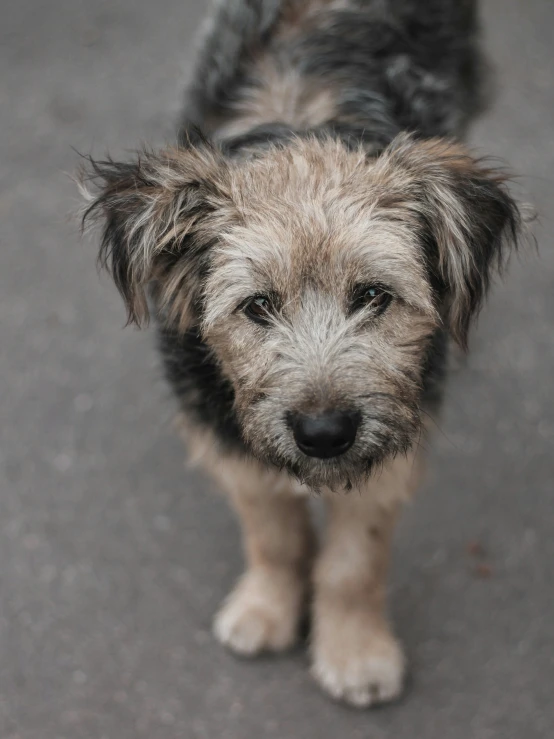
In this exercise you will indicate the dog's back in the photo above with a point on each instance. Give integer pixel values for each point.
(362, 68)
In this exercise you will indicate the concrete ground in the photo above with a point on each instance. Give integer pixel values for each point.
(113, 557)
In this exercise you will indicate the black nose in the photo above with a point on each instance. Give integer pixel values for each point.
(326, 435)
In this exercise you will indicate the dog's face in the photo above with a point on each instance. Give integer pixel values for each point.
(318, 276)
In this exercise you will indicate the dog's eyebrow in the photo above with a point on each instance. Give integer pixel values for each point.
(410, 287)
(399, 266)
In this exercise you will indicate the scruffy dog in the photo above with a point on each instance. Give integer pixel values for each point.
(309, 246)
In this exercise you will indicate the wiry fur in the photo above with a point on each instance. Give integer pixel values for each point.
(391, 65)
(317, 154)
(306, 223)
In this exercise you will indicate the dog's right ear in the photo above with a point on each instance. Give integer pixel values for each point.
(159, 215)
(467, 218)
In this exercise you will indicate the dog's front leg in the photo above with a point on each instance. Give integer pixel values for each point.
(356, 657)
(263, 611)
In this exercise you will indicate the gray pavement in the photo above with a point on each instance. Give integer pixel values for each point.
(113, 556)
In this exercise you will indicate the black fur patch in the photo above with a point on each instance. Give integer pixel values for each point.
(397, 64)
(434, 371)
(138, 202)
(491, 221)
(494, 222)
(200, 386)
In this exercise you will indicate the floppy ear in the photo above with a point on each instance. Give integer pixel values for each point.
(467, 217)
(159, 216)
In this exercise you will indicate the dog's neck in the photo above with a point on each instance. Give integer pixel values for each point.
(374, 138)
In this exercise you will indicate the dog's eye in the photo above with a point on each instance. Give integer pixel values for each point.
(375, 297)
(258, 309)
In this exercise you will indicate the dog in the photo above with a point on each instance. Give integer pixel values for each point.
(309, 248)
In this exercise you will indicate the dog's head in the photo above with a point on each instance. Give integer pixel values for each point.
(318, 277)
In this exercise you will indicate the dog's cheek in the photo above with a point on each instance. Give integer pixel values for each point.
(240, 353)
(265, 428)
(387, 385)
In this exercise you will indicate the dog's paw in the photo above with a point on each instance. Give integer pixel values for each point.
(358, 665)
(262, 613)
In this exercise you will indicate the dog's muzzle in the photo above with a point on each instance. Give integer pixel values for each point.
(325, 435)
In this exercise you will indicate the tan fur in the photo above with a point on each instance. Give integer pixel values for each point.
(306, 225)
(355, 655)
(279, 91)
(312, 208)
(435, 173)
(264, 610)
(315, 212)
(298, 13)
(312, 222)
(153, 203)
(279, 95)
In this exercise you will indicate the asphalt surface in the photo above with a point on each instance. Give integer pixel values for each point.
(114, 557)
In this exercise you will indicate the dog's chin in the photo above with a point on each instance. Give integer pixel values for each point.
(336, 474)
(329, 475)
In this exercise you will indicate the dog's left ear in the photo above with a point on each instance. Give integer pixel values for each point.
(467, 218)
(160, 213)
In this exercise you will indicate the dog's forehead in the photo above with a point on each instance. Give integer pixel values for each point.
(314, 213)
